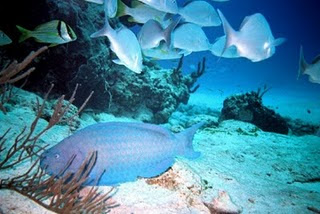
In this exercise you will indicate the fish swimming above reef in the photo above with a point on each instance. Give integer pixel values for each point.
(152, 33)
(201, 13)
(190, 37)
(254, 40)
(168, 6)
(124, 44)
(126, 151)
(312, 70)
(141, 13)
(4, 39)
(54, 32)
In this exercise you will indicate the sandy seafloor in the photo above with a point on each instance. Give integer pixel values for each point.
(249, 172)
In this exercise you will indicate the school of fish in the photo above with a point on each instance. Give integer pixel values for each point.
(168, 31)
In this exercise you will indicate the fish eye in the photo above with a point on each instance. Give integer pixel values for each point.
(57, 156)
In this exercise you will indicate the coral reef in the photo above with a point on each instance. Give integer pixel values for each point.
(18, 149)
(188, 115)
(248, 107)
(150, 97)
(299, 127)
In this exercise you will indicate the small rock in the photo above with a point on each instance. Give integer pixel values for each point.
(223, 205)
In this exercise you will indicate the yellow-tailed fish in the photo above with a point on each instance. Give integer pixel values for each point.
(54, 32)
(4, 39)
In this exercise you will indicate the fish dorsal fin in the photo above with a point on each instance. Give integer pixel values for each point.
(302, 63)
(255, 23)
(244, 22)
(153, 128)
(186, 3)
(316, 60)
(48, 25)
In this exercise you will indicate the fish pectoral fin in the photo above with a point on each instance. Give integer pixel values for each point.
(118, 61)
(53, 45)
(278, 41)
(157, 169)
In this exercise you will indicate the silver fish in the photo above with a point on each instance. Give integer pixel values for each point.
(254, 40)
(141, 13)
(312, 70)
(124, 44)
(201, 13)
(152, 33)
(4, 39)
(54, 32)
(168, 6)
(190, 37)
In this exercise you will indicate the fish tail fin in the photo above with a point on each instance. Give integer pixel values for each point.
(104, 31)
(186, 137)
(25, 34)
(229, 32)
(302, 63)
(168, 31)
(123, 9)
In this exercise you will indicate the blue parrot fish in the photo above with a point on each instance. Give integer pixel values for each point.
(126, 151)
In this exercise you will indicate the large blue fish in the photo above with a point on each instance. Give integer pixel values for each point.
(126, 151)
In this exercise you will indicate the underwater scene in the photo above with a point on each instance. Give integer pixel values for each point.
(160, 106)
